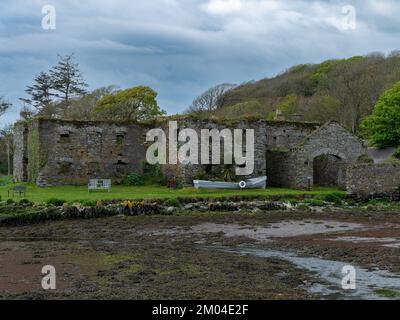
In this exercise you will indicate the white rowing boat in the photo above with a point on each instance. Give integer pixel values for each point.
(255, 183)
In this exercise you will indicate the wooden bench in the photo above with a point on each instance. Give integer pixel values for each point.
(99, 184)
(20, 190)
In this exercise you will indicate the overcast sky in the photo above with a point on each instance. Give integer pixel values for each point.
(182, 47)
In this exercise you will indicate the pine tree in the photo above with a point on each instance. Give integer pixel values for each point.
(67, 80)
(40, 93)
(4, 106)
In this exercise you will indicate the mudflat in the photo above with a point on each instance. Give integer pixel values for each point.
(274, 255)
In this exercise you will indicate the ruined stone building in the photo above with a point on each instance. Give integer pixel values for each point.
(291, 154)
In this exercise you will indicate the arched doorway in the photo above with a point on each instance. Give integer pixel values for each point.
(328, 168)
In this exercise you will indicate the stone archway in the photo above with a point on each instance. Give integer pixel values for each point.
(328, 165)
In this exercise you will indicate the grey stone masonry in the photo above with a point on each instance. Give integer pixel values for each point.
(366, 180)
(57, 152)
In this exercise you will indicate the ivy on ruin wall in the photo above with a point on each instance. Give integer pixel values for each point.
(33, 153)
(37, 160)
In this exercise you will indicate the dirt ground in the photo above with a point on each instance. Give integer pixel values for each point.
(277, 255)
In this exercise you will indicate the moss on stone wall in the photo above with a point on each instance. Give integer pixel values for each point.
(33, 153)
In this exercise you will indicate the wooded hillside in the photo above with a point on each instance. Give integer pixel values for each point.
(342, 90)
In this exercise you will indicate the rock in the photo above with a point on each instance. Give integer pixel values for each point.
(171, 209)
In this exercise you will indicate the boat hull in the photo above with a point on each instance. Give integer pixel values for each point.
(255, 183)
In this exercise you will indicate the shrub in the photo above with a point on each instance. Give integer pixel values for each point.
(293, 202)
(172, 203)
(154, 175)
(55, 202)
(174, 183)
(397, 153)
(334, 197)
(314, 202)
(134, 179)
(10, 201)
(88, 203)
(5, 180)
(25, 202)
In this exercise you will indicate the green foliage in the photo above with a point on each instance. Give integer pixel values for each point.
(384, 123)
(72, 194)
(387, 293)
(173, 203)
(25, 202)
(56, 202)
(397, 153)
(340, 90)
(138, 103)
(289, 105)
(298, 68)
(240, 110)
(315, 202)
(33, 154)
(5, 180)
(88, 203)
(334, 197)
(134, 179)
(154, 175)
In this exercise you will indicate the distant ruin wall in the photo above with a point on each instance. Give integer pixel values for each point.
(57, 152)
(20, 157)
(71, 153)
(369, 179)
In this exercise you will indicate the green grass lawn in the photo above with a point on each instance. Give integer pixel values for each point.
(76, 193)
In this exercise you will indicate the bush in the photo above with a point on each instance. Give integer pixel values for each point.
(154, 175)
(397, 153)
(172, 203)
(5, 180)
(134, 179)
(88, 203)
(25, 202)
(314, 202)
(293, 202)
(55, 202)
(334, 197)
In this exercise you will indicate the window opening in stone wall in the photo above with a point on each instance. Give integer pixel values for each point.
(65, 138)
(120, 139)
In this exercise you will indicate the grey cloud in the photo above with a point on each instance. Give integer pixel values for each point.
(182, 47)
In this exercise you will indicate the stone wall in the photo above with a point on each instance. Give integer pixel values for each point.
(365, 180)
(74, 152)
(330, 139)
(268, 135)
(20, 159)
(55, 152)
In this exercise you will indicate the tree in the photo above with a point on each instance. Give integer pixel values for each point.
(40, 94)
(208, 101)
(356, 85)
(82, 108)
(4, 106)
(384, 123)
(138, 103)
(242, 109)
(26, 113)
(6, 134)
(288, 106)
(67, 80)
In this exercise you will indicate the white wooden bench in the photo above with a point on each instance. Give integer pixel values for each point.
(99, 184)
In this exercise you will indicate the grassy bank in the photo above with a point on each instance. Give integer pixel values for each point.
(75, 193)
